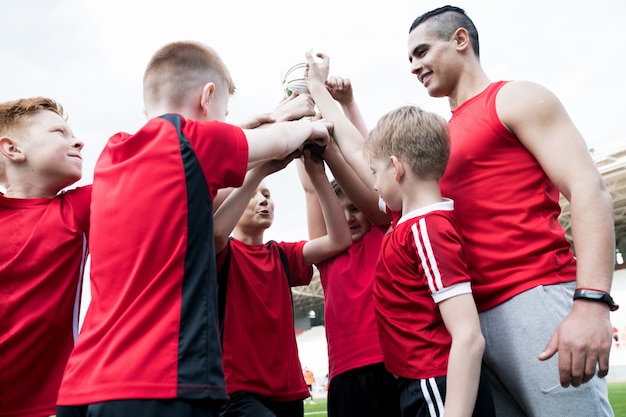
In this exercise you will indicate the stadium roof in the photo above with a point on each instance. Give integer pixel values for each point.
(612, 166)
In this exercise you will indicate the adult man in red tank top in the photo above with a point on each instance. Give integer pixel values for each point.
(513, 150)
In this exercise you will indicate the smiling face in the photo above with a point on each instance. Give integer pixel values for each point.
(434, 61)
(49, 152)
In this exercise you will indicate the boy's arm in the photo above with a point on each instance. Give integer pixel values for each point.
(229, 212)
(359, 193)
(348, 138)
(314, 216)
(338, 237)
(461, 319)
(221, 195)
(341, 90)
(277, 140)
(289, 108)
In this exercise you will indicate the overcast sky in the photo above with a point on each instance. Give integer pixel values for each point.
(90, 55)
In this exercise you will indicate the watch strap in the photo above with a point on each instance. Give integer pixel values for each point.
(595, 295)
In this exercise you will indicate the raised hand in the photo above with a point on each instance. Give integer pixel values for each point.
(340, 89)
(317, 72)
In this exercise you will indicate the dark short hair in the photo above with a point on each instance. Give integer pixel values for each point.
(445, 20)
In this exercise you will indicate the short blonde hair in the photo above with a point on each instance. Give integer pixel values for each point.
(179, 68)
(15, 116)
(418, 137)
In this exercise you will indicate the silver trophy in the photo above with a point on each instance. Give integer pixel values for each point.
(294, 80)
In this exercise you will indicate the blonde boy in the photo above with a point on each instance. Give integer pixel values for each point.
(43, 251)
(422, 292)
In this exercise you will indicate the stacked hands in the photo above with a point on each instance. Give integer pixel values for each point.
(297, 104)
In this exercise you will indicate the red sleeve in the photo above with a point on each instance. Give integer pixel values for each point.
(222, 150)
(439, 248)
(79, 199)
(299, 274)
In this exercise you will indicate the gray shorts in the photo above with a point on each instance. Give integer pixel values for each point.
(516, 332)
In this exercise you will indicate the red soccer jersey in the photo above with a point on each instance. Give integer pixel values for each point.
(151, 329)
(42, 259)
(350, 321)
(508, 208)
(421, 264)
(260, 350)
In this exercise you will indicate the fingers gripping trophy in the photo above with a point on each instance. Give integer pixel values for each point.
(294, 82)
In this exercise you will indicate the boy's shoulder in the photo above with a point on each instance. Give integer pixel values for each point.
(80, 193)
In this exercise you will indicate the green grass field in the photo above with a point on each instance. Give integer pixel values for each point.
(318, 409)
(617, 396)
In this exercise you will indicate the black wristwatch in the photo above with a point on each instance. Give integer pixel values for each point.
(596, 295)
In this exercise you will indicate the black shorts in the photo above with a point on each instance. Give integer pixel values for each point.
(368, 391)
(152, 408)
(425, 397)
(247, 404)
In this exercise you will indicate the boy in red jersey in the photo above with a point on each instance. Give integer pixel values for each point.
(42, 255)
(150, 344)
(429, 328)
(261, 363)
(514, 149)
(360, 386)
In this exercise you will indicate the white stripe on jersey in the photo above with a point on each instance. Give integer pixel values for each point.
(435, 404)
(77, 299)
(425, 252)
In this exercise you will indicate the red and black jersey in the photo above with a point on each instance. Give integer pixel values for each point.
(421, 264)
(42, 259)
(508, 208)
(151, 329)
(260, 349)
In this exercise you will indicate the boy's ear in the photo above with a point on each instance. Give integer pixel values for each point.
(207, 94)
(398, 168)
(10, 150)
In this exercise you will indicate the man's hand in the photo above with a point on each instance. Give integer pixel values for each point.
(583, 340)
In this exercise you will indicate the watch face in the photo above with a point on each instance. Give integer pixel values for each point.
(594, 294)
